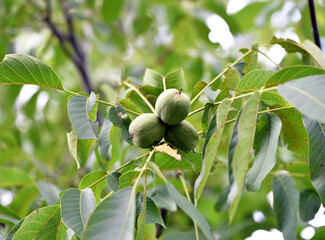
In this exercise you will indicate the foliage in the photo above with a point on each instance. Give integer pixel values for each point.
(261, 130)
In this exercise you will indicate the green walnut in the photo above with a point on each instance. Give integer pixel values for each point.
(172, 106)
(147, 130)
(182, 136)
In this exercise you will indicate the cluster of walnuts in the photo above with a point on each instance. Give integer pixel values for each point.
(172, 107)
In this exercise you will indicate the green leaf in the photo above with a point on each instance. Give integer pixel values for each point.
(92, 178)
(128, 104)
(7, 220)
(111, 10)
(76, 207)
(294, 134)
(163, 200)
(174, 79)
(305, 48)
(231, 79)
(103, 141)
(309, 204)
(25, 69)
(24, 199)
(152, 213)
(250, 59)
(286, 75)
(190, 210)
(197, 88)
(165, 162)
(12, 231)
(79, 149)
(49, 192)
(119, 118)
(253, 80)
(127, 178)
(316, 133)
(242, 152)
(10, 177)
(210, 147)
(79, 108)
(140, 226)
(307, 95)
(43, 223)
(113, 181)
(286, 205)
(290, 73)
(113, 218)
(9, 212)
(266, 143)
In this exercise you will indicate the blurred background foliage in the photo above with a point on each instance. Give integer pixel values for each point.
(120, 39)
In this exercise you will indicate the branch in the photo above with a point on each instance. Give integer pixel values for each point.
(313, 20)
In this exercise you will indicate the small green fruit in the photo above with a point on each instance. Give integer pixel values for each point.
(147, 130)
(182, 136)
(172, 106)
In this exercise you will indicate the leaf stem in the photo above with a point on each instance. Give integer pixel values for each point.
(265, 55)
(268, 110)
(181, 177)
(233, 98)
(141, 95)
(141, 172)
(164, 83)
(220, 74)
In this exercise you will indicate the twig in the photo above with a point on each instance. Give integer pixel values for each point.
(67, 40)
(220, 74)
(313, 20)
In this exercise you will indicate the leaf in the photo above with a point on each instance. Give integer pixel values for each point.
(119, 118)
(163, 200)
(92, 178)
(111, 10)
(290, 73)
(197, 88)
(294, 134)
(103, 141)
(190, 210)
(12, 231)
(79, 108)
(114, 136)
(127, 104)
(10, 177)
(76, 207)
(242, 151)
(305, 48)
(174, 79)
(166, 162)
(165, 148)
(211, 95)
(43, 223)
(309, 204)
(307, 95)
(24, 199)
(253, 80)
(9, 212)
(79, 149)
(205, 117)
(140, 226)
(113, 218)
(319, 235)
(250, 59)
(266, 143)
(25, 69)
(316, 133)
(286, 205)
(127, 178)
(153, 214)
(49, 192)
(231, 79)
(113, 181)
(210, 146)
